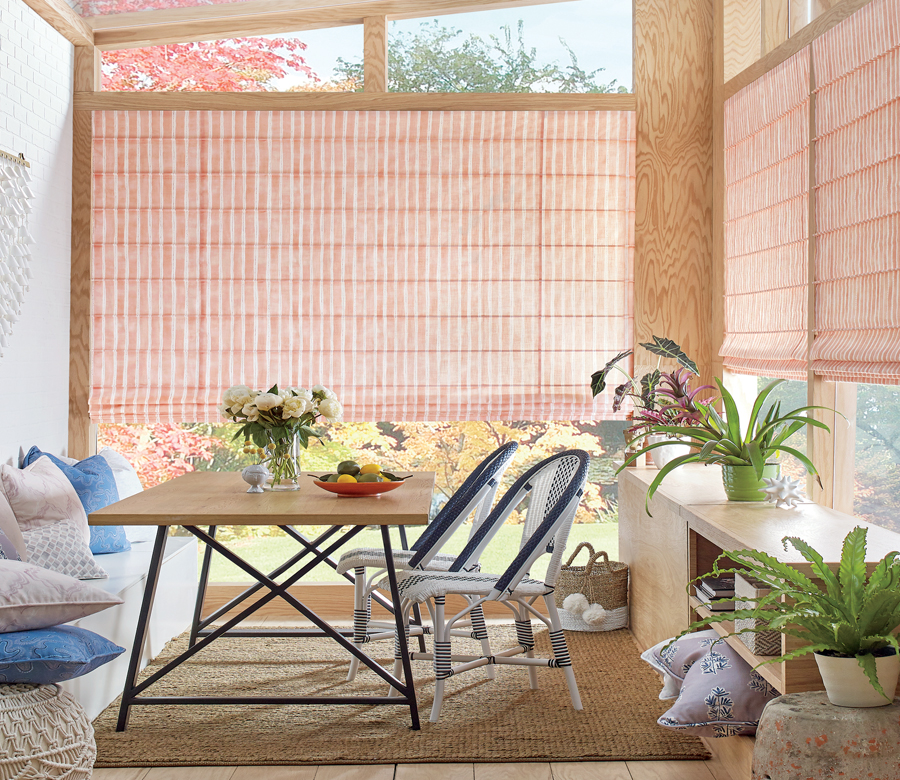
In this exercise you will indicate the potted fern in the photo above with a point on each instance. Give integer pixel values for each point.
(849, 618)
(746, 454)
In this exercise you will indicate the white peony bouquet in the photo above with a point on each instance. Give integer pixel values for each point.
(278, 420)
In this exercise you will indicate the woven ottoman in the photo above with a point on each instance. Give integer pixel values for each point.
(802, 736)
(44, 733)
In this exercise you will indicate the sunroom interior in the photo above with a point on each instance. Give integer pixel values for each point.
(469, 256)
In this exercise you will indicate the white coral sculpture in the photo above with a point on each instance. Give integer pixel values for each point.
(784, 491)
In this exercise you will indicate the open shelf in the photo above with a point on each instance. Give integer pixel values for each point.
(772, 673)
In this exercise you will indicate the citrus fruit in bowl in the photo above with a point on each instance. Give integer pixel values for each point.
(358, 488)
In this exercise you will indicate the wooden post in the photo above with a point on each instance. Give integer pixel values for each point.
(375, 54)
(82, 435)
(673, 42)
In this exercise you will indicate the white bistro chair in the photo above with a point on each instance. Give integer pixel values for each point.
(554, 488)
(476, 494)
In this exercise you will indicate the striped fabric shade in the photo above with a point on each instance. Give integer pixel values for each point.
(858, 197)
(766, 241)
(425, 265)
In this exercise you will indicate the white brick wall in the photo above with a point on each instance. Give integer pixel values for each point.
(36, 118)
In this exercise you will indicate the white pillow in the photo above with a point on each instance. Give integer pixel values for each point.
(128, 484)
(40, 494)
(9, 527)
(38, 598)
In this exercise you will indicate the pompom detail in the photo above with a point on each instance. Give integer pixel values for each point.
(576, 603)
(594, 615)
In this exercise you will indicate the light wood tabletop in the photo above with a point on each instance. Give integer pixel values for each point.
(221, 498)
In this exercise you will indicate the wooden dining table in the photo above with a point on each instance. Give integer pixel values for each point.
(200, 502)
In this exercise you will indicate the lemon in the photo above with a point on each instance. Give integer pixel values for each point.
(350, 467)
(370, 468)
(369, 477)
(346, 478)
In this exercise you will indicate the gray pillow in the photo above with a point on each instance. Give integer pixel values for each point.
(721, 696)
(673, 660)
(61, 547)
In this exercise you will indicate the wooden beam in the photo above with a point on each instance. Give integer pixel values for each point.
(673, 42)
(375, 54)
(792, 45)
(719, 215)
(263, 17)
(82, 435)
(64, 20)
(349, 101)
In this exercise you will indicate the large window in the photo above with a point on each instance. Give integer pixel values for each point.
(451, 450)
(877, 473)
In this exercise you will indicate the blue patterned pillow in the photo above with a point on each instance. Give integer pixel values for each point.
(95, 484)
(52, 655)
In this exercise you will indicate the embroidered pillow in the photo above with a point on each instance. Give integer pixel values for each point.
(721, 696)
(52, 655)
(129, 484)
(673, 660)
(95, 485)
(39, 598)
(40, 494)
(60, 547)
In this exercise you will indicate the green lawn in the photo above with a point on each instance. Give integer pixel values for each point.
(267, 553)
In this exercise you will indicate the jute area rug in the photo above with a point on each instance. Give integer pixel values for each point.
(481, 720)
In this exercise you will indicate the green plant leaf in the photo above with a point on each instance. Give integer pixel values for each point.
(758, 404)
(664, 472)
(852, 570)
(757, 459)
(867, 662)
(819, 567)
(598, 378)
(669, 349)
(732, 416)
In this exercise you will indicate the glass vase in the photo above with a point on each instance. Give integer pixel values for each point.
(282, 458)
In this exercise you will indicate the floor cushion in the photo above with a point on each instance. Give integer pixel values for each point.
(34, 597)
(673, 658)
(52, 655)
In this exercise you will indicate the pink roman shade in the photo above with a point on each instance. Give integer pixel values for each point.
(426, 265)
(858, 197)
(766, 241)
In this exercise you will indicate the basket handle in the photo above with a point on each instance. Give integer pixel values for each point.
(591, 552)
(593, 559)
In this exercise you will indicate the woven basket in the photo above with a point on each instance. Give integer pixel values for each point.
(602, 582)
(758, 642)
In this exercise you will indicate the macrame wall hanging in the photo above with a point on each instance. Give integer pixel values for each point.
(15, 240)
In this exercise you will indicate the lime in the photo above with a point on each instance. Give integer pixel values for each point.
(370, 468)
(332, 478)
(346, 478)
(350, 467)
(370, 478)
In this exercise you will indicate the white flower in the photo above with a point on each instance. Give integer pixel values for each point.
(295, 407)
(331, 410)
(325, 392)
(235, 394)
(250, 412)
(302, 392)
(266, 401)
(225, 411)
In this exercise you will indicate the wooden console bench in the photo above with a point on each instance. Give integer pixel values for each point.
(692, 524)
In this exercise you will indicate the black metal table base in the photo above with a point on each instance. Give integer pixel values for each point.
(202, 635)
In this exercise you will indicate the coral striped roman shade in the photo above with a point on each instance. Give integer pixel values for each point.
(426, 265)
(857, 67)
(766, 241)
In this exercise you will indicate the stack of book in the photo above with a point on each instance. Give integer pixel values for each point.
(709, 589)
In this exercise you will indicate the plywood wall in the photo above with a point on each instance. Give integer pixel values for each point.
(673, 41)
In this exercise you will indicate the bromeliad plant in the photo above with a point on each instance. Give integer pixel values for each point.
(721, 439)
(851, 614)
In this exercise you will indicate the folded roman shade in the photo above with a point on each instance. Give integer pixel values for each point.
(766, 229)
(857, 66)
(426, 265)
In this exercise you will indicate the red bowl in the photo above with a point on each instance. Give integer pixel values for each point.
(358, 488)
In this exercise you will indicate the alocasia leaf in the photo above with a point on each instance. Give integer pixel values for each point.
(669, 349)
(598, 378)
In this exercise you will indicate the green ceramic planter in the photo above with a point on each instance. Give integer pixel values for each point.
(741, 483)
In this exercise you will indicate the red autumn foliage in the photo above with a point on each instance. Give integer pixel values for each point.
(158, 452)
(236, 65)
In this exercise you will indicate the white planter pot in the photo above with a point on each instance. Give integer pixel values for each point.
(847, 685)
(662, 455)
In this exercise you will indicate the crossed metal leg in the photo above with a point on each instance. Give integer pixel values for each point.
(202, 635)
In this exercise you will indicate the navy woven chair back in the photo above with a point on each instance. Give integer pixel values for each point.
(550, 486)
(475, 494)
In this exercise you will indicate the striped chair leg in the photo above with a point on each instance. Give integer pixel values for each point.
(479, 631)
(442, 667)
(525, 637)
(561, 657)
(362, 613)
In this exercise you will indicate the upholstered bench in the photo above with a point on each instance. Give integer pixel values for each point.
(171, 615)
